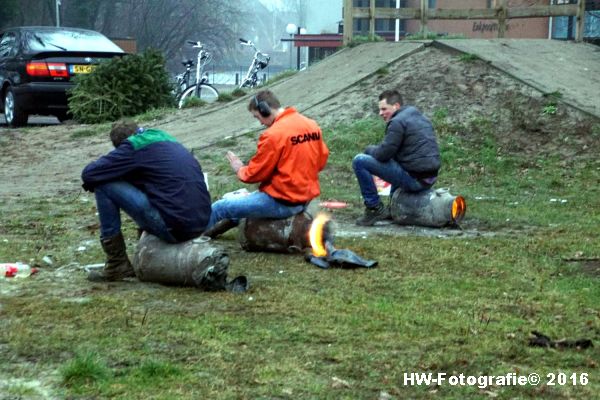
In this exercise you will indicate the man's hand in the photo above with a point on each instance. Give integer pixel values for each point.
(234, 161)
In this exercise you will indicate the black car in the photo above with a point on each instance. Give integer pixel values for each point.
(36, 66)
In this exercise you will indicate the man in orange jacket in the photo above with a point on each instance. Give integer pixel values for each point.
(290, 154)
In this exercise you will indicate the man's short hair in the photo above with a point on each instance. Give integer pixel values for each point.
(121, 130)
(264, 95)
(391, 97)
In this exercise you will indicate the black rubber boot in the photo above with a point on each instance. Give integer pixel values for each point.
(117, 266)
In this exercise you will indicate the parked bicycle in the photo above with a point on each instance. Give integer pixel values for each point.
(259, 62)
(182, 81)
(200, 88)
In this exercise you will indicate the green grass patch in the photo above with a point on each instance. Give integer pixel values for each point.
(383, 71)
(362, 39)
(468, 57)
(84, 369)
(435, 304)
(154, 114)
(192, 102)
(225, 97)
(238, 92)
(280, 76)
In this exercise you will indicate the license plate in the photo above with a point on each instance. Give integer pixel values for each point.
(82, 69)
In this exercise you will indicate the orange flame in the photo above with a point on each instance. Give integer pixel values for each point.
(316, 235)
(459, 207)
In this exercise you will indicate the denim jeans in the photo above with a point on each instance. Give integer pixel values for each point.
(112, 197)
(365, 166)
(255, 205)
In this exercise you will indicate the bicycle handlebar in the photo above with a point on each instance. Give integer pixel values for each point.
(197, 44)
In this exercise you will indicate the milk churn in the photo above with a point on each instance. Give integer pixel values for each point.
(198, 262)
(433, 207)
(287, 235)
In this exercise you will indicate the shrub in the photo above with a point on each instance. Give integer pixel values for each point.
(121, 87)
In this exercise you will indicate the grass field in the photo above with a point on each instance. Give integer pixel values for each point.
(456, 305)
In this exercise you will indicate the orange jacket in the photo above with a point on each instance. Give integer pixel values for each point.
(288, 159)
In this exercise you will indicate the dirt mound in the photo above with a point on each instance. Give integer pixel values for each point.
(469, 93)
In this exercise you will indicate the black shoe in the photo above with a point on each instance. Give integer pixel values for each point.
(219, 228)
(372, 215)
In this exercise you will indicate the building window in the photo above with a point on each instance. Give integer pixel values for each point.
(361, 26)
(361, 3)
(432, 3)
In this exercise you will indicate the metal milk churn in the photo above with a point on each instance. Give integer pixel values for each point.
(287, 235)
(433, 207)
(198, 262)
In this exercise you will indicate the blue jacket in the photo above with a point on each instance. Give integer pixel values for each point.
(166, 172)
(410, 140)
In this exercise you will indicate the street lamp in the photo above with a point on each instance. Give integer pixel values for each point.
(291, 29)
(57, 4)
(301, 31)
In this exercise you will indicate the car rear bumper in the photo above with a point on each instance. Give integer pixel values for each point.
(42, 97)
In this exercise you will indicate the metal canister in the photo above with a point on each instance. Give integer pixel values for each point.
(433, 207)
(287, 235)
(198, 262)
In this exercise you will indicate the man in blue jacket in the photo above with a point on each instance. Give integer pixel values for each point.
(153, 179)
(408, 157)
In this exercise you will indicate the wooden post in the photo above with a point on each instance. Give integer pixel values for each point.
(348, 21)
(424, 16)
(580, 20)
(372, 18)
(501, 11)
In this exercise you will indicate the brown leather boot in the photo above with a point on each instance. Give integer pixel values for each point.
(117, 264)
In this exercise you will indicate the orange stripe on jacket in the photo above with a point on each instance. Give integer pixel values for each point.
(289, 156)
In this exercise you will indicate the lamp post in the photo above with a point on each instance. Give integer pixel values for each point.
(57, 3)
(301, 31)
(291, 29)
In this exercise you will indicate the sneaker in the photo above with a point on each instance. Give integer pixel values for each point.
(372, 215)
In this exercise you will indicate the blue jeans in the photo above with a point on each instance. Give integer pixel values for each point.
(365, 166)
(255, 205)
(112, 197)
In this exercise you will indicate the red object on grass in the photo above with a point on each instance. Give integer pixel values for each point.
(11, 271)
(333, 204)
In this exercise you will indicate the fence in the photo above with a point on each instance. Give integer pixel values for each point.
(500, 12)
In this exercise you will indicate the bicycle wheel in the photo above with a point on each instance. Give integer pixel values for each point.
(207, 93)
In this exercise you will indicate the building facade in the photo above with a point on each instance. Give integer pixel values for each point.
(321, 44)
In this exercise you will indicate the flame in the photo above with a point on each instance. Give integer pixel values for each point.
(459, 207)
(316, 235)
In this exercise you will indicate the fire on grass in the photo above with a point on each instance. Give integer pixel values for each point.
(324, 254)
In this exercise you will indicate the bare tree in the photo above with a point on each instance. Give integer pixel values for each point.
(300, 8)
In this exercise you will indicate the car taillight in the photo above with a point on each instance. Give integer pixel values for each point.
(58, 69)
(40, 68)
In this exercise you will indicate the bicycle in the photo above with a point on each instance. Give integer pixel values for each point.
(259, 62)
(182, 81)
(201, 89)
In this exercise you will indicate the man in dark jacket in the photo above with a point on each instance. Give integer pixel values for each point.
(156, 181)
(408, 157)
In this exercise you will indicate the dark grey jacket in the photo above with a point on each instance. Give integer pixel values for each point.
(410, 140)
